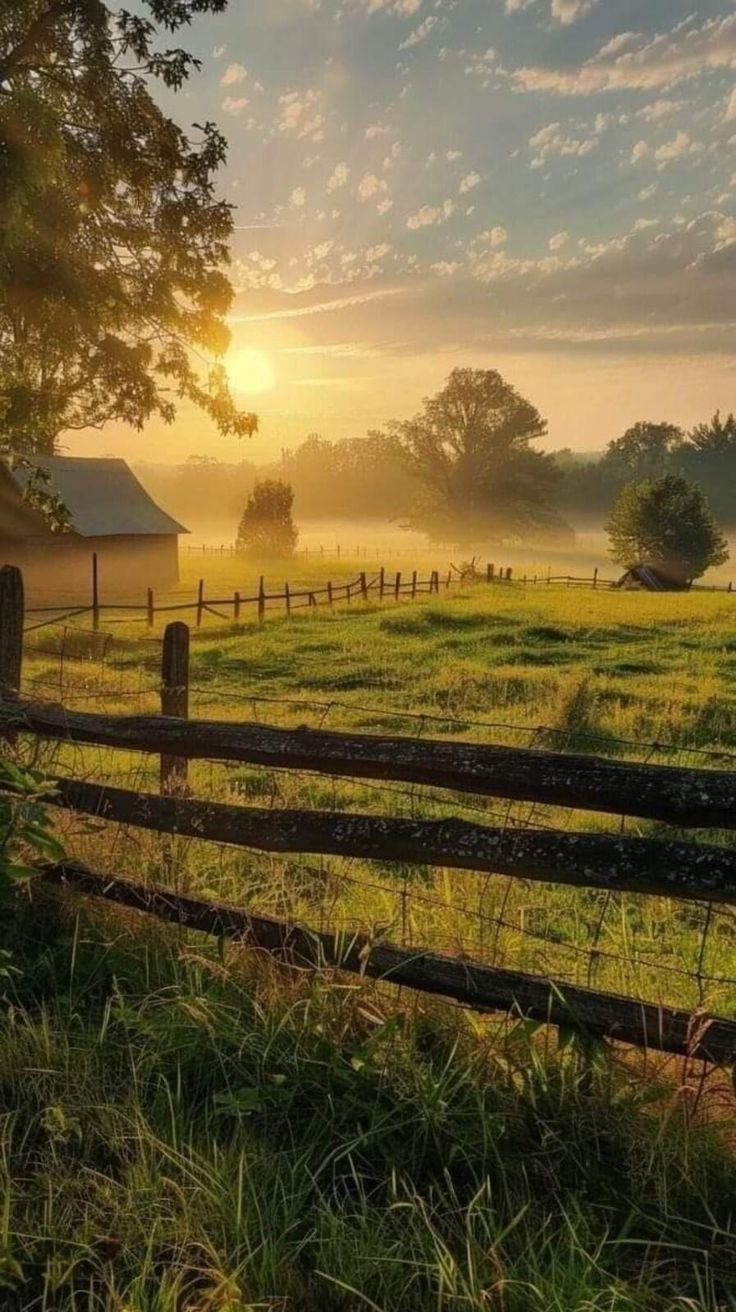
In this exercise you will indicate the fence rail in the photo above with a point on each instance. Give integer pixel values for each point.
(674, 869)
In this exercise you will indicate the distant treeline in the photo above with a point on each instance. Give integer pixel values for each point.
(367, 478)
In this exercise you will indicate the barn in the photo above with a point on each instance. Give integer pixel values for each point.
(112, 517)
(650, 578)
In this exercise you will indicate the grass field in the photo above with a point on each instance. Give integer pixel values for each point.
(185, 1128)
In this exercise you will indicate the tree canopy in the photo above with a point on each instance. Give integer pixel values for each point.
(267, 527)
(113, 242)
(470, 449)
(669, 524)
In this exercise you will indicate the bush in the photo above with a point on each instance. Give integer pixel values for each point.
(267, 527)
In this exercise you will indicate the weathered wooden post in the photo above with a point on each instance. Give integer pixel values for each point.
(448, 580)
(414, 585)
(236, 606)
(12, 610)
(261, 600)
(329, 595)
(150, 613)
(287, 598)
(381, 583)
(397, 585)
(95, 592)
(175, 699)
(490, 571)
(200, 603)
(595, 577)
(363, 586)
(508, 573)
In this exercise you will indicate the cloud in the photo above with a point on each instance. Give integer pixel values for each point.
(218, 52)
(660, 109)
(430, 215)
(634, 61)
(469, 182)
(338, 177)
(370, 185)
(322, 307)
(298, 198)
(376, 130)
(234, 106)
(669, 151)
(298, 114)
(552, 140)
(233, 75)
(559, 240)
(420, 33)
(375, 253)
(569, 11)
(493, 238)
(730, 113)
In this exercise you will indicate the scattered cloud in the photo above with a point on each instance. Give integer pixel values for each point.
(430, 215)
(371, 185)
(234, 105)
(469, 182)
(631, 60)
(420, 33)
(338, 177)
(234, 74)
(557, 242)
(553, 140)
(298, 198)
(299, 115)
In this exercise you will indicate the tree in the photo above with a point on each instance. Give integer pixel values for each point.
(267, 527)
(470, 449)
(710, 457)
(667, 523)
(644, 451)
(113, 243)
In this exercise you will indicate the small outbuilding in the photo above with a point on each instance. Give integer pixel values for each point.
(112, 517)
(651, 578)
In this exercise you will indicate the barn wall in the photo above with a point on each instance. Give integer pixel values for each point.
(61, 570)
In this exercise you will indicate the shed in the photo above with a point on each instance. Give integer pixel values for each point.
(651, 578)
(112, 516)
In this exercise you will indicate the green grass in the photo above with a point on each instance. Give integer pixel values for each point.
(185, 1128)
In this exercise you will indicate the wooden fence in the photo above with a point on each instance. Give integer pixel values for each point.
(675, 869)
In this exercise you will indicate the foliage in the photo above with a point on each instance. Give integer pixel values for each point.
(644, 451)
(470, 448)
(667, 523)
(710, 457)
(113, 242)
(25, 827)
(267, 527)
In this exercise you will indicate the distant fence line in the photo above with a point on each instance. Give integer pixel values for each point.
(674, 869)
(381, 586)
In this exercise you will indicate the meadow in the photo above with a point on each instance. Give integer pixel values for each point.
(185, 1126)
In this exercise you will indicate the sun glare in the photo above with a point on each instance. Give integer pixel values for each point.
(251, 371)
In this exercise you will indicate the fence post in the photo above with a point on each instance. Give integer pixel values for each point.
(363, 586)
(413, 585)
(175, 699)
(489, 572)
(236, 606)
(95, 592)
(287, 598)
(508, 573)
(261, 600)
(595, 577)
(338, 551)
(200, 603)
(397, 585)
(149, 608)
(12, 609)
(329, 594)
(381, 583)
(448, 580)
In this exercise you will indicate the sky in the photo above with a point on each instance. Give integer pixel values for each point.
(544, 187)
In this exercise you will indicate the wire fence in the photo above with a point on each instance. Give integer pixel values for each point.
(647, 947)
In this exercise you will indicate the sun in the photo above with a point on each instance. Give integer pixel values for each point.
(250, 371)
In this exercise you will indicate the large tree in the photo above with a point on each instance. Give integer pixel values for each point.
(644, 451)
(267, 527)
(470, 448)
(710, 457)
(113, 242)
(668, 523)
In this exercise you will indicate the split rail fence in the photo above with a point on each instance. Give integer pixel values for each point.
(686, 798)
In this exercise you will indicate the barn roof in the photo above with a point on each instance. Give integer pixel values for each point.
(104, 497)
